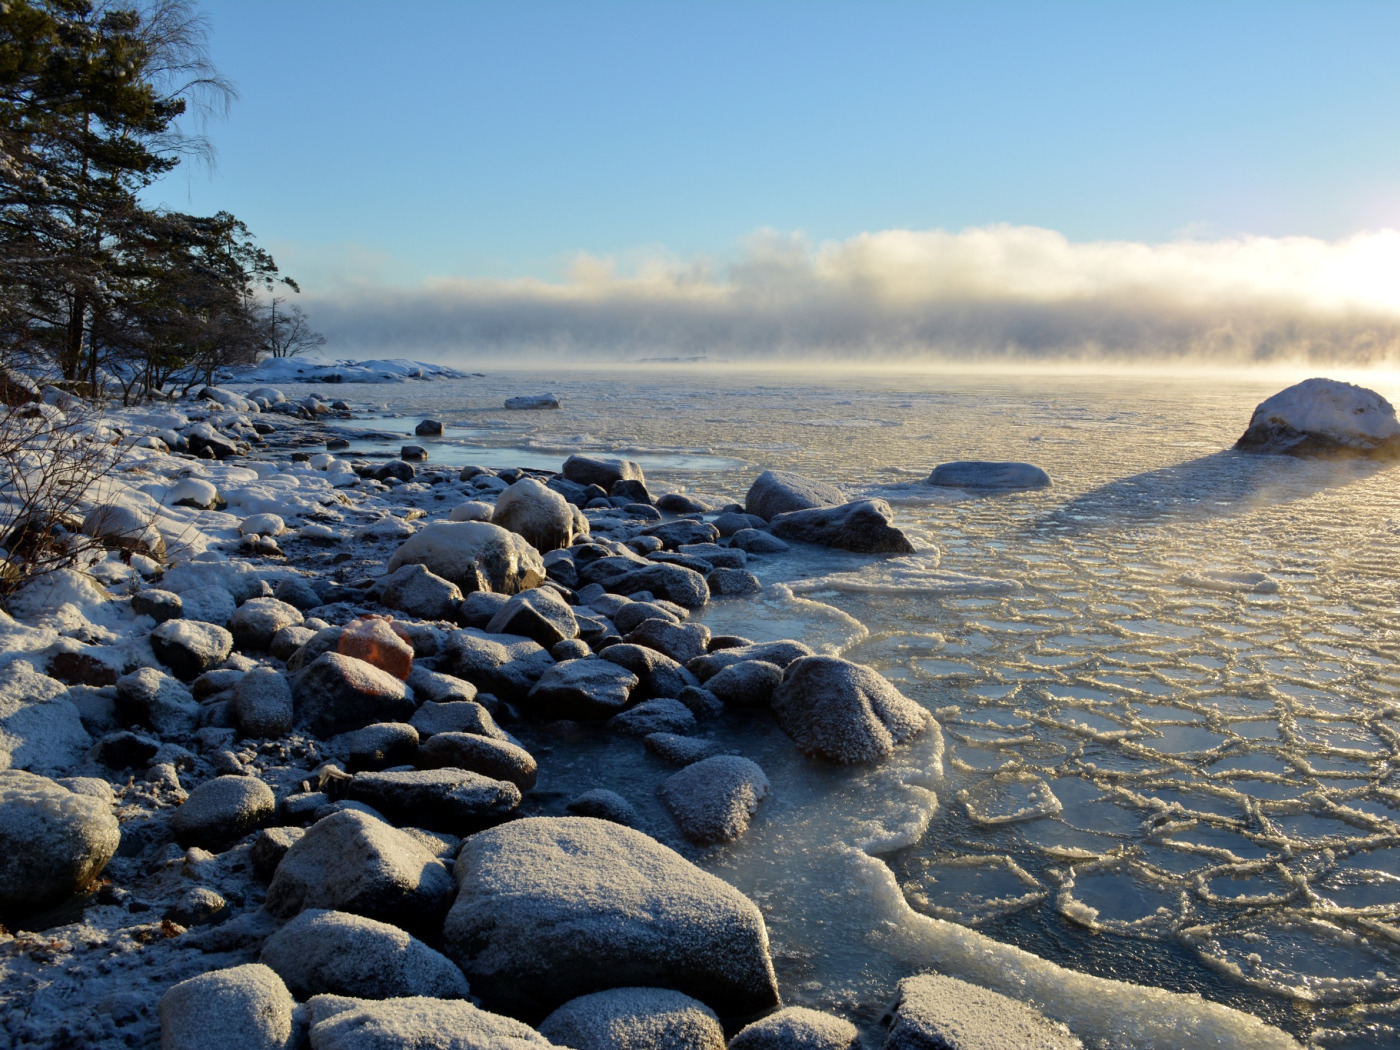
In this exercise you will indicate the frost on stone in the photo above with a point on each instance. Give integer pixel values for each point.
(1324, 417)
(416, 1022)
(634, 1019)
(714, 799)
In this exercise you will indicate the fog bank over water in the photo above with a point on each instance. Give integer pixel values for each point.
(982, 294)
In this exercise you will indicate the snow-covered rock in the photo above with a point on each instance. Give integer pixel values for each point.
(634, 1019)
(714, 799)
(798, 1028)
(335, 952)
(350, 861)
(1324, 417)
(551, 908)
(415, 1023)
(749, 683)
(980, 474)
(40, 729)
(537, 513)
(660, 715)
(843, 711)
(124, 525)
(189, 648)
(777, 492)
(240, 1008)
(151, 697)
(472, 510)
(933, 1010)
(475, 555)
(195, 493)
(221, 811)
(258, 619)
(262, 525)
(53, 842)
(532, 401)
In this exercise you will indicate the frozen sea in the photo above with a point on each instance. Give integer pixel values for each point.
(1167, 685)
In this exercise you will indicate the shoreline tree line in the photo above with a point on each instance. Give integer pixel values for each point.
(98, 101)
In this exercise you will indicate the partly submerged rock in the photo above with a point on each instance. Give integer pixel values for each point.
(777, 492)
(335, 952)
(551, 908)
(933, 1012)
(1324, 417)
(714, 799)
(603, 472)
(864, 526)
(634, 1019)
(475, 555)
(532, 401)
(843, 711)
(983, 474)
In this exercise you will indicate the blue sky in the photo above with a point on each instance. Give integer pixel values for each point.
(394, 145)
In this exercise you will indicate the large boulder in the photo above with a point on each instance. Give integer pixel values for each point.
(452, 800)
(539, 514)
(714, 799)
(843, 711)
(241, 1008)
(634, 1019)
(334, 952)
(749, 683)
(1324, 417)
(414, 1023)
(581, 689)
(934, 1012)
(777, 492)
(189, 647)
(605, 473)
(336, 694)
(53, 842)
(798, 1028)
(504, 665)
(124, 526)
(475, 555)
(864, 526)
(221, 811)
(350, 861)
(980, 474)
(551, 908)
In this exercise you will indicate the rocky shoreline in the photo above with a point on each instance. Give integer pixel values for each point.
(263, 788)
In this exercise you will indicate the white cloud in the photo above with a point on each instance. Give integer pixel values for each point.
(987, 291)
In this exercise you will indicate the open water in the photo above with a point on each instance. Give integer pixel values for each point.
(1167, 685)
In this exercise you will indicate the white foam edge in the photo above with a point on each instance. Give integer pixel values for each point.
(1099, 1010)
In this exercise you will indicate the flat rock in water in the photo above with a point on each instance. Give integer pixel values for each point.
(634, 1019)
(221, 811)
(662, 715)
(681, 750)
(843, 711)
(777, 492)
(864, 526)
(581, 689)
(714, 799)
(53, 842)
(334, 952)
(981, 474)
(240, 1008)
(475, 555)
(350, 861)
(527, 402)
(752, 541)
(733, 583)
(414, 1023)
(552, 908)
(454, 800)
(934, 1012)
(1324, 417)
(798, 1028)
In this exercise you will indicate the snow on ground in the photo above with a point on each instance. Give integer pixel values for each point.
(316, 368)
